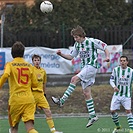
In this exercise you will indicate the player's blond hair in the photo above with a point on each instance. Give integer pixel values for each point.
(78, 31)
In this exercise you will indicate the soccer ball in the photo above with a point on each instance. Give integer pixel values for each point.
(46, 6)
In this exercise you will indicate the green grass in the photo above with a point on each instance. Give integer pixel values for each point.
(71, 125)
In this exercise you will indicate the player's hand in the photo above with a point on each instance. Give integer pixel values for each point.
(106, 60)
(58, 52)
(116, 89)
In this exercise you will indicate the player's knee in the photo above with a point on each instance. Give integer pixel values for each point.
(75, 80)
(112, 112)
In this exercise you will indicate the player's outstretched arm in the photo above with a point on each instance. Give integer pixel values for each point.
(107, 55)
(65, 56)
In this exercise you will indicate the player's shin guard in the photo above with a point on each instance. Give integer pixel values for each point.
(90, 107)
(32, 131)
(130, 120)
(68, 92)
(115, 119)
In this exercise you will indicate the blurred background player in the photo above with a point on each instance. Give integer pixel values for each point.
(86, 48)
(121, 81)
(39, 92)
(21, 101)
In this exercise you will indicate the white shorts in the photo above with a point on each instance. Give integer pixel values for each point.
(120, 100)
(87, 76)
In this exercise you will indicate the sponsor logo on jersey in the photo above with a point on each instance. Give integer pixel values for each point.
(84, 54)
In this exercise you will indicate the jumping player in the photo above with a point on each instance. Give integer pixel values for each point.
(86, 48)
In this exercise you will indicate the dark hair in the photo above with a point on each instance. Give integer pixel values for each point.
(36, 56)
(17, 49)
(78, 31)
(123, 56)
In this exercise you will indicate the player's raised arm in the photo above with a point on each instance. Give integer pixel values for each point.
(107, 54)
(65, 56)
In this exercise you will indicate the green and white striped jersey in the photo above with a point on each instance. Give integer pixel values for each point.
(87, 51)
(122, 79)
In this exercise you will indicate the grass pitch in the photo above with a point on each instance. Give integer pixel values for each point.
(71, 125)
